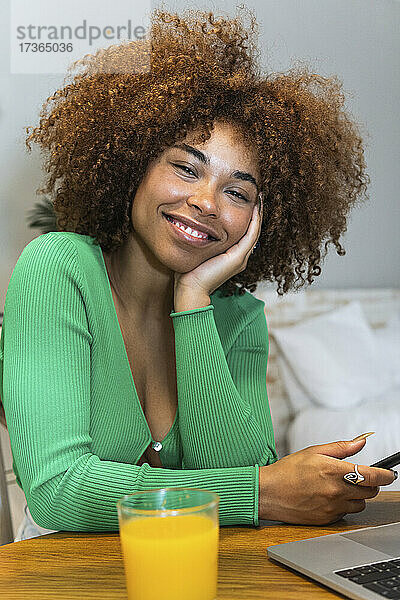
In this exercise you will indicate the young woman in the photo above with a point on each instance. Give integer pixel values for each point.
(132, 355)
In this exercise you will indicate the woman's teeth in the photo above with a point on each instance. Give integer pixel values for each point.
(189, 230)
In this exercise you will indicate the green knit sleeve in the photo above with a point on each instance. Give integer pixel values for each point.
(46, 392)
(247, 362)
(223, 405)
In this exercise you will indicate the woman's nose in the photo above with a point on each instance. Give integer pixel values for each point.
(206, 201)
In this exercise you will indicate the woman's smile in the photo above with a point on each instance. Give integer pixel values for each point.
(188, 235)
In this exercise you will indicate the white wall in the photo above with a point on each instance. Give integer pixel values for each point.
(356, 39)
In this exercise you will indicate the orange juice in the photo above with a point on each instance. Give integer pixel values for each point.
(171, 558)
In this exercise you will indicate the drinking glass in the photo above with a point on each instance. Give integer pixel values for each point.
(169, 539)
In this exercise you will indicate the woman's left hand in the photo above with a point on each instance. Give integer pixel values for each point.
(212, 273)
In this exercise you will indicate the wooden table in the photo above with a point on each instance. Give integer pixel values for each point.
(79, 565)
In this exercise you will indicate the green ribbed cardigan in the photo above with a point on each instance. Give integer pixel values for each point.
(76, 425)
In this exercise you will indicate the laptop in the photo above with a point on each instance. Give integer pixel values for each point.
(363, 564)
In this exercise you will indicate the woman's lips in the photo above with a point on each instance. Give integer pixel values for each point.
(186, 237)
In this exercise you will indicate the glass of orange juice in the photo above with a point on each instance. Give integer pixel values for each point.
(169, 539)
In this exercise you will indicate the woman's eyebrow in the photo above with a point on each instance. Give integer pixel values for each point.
(206, 161)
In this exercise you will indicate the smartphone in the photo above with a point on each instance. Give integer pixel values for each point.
(388, 462)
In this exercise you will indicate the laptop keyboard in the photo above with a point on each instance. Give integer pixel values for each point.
(383, 577)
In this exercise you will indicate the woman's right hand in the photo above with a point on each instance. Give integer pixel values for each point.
(307, 487)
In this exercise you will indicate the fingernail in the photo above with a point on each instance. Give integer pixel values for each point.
(363, 436)
(395, 473)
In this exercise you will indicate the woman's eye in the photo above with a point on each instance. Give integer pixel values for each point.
(184, 168)
(238, 195)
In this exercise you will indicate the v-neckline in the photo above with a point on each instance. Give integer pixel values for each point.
(116, 320)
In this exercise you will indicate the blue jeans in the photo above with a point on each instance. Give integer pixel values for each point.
(28, 528)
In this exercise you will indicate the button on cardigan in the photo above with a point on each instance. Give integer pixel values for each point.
(76, 425)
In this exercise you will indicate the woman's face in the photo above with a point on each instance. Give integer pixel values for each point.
(214, 184)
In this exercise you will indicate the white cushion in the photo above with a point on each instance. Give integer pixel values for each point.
(334, 358)
(298, 397)
(387, 340)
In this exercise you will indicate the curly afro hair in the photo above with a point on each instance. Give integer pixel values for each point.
(134, 99)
